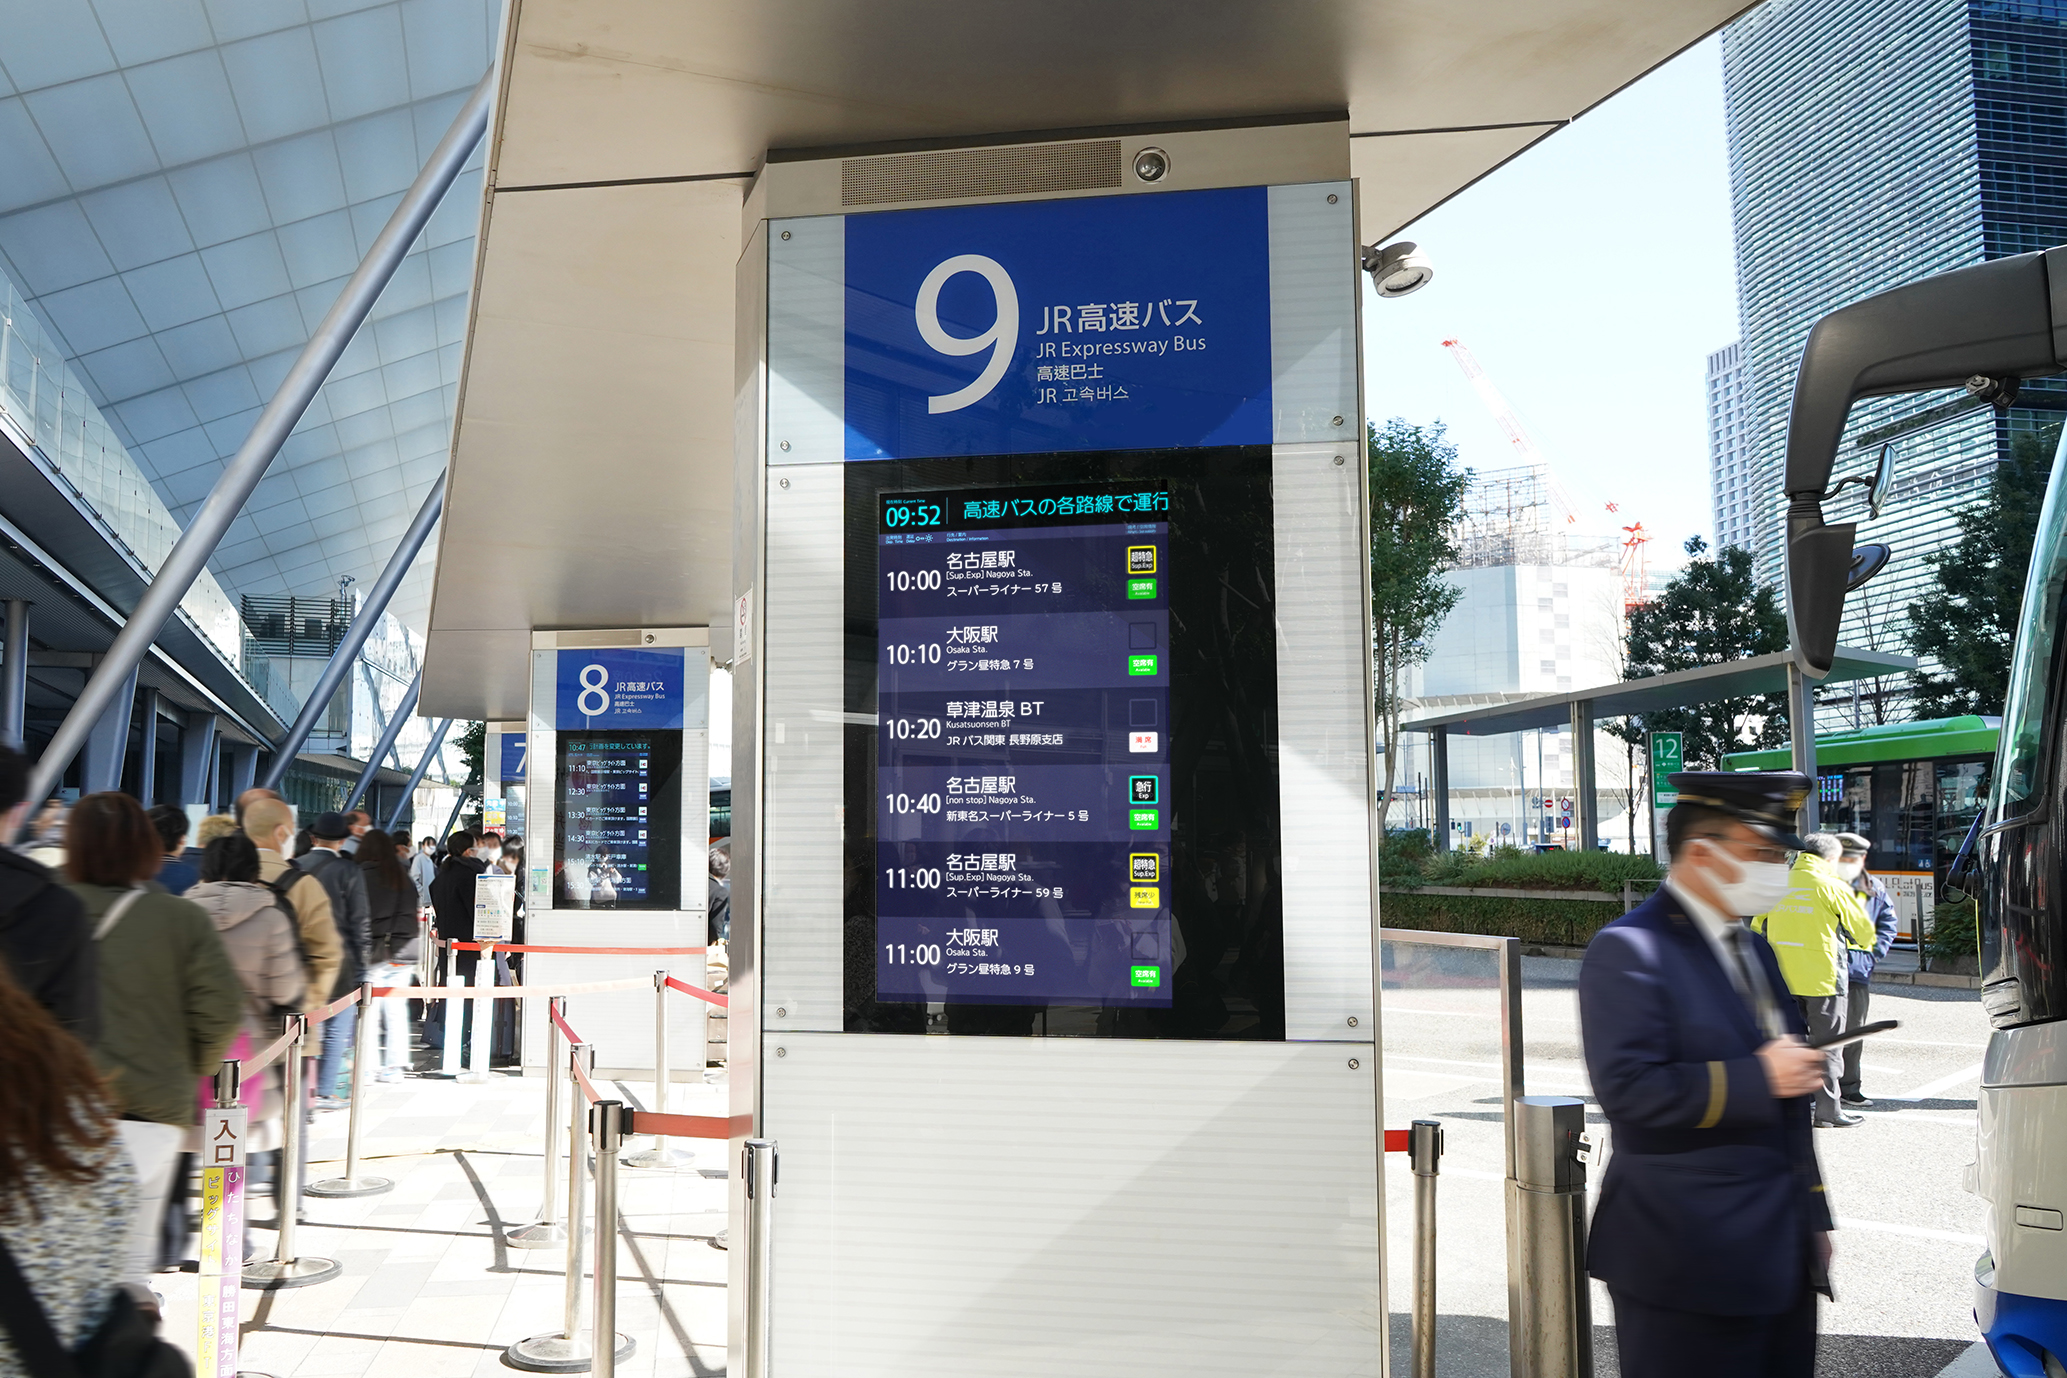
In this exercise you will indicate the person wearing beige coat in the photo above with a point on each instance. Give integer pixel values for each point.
(269, 823)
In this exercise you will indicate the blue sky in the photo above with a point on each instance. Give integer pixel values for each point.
(1591, 276)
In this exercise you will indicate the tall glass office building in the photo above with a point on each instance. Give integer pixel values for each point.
(1874, 142)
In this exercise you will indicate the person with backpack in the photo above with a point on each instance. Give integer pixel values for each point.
(269, 823)
(392, 926)
(346, 885)
(44, 938)
(169, 998)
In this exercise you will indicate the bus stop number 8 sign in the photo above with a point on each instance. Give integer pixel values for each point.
(1001, 339)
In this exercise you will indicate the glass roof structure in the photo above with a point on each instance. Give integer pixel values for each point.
(184, 187)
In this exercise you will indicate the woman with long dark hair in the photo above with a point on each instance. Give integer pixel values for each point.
(67, 1190)
(170, 1000)
(391, 903)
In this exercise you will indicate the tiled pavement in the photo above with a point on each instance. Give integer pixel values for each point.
(431, 1290)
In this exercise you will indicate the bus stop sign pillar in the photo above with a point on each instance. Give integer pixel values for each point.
(1548, 1294)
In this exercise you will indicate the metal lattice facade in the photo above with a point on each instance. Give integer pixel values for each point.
(1872, 143)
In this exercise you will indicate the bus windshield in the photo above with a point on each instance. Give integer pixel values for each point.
(2021, 765)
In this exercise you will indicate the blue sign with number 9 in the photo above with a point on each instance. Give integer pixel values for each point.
(1108, 323)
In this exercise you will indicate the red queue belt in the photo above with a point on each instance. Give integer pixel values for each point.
(700, 993)
(579, 951)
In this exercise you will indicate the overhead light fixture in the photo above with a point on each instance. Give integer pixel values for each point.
(1398, 268)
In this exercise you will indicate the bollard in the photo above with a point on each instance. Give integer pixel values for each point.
(484, 1019)
(545, 1232)
(660, 1155)
(352, 1184)
(1424, 1153)
(606, 1128)
(221, 1255)
(1546, 1269)
(286, 1268)
(759, 1171)
(567, 1350)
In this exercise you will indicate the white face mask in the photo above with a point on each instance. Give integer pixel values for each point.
(489, 854)
(1758, 887)
(1851, 867)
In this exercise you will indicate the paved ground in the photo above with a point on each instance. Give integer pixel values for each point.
(430, 1289)
(1909, 1233)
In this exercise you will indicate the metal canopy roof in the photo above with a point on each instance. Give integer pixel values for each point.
(1765, 674)
(592, 469)
(185, 185)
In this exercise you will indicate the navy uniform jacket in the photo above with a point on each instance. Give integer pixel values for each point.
(1713, 1187)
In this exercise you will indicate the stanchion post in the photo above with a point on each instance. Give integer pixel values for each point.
(451, 1045)
(484, 1018)
(759, 1169)
(545, 1232)
(568, 1350)
(1424, 1154)
(363, 1045)
(286, 1268)
(660, 1155)
(606, 1129)
(221, 1255)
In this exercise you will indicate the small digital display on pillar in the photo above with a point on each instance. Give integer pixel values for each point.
(617, 812)
(1025, 702)
(1073, 752)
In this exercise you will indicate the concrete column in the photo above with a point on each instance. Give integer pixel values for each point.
(197, 760)
(1585, 797)
(107, 746)
(14, 674)
(147, 778)
(1439, 784)
(243, 770)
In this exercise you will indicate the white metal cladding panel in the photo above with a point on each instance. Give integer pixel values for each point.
(807, 340)
(1323, 751)
(998, 1206)
(1313, 287)
(618, 1022)
(803, 660)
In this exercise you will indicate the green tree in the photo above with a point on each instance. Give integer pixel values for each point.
(1417, 494)
(1710, 613)
(473, 748)
(1966, 623)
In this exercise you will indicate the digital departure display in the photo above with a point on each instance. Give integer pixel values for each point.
(617, 812)
(1072, 761)
(1026, 632)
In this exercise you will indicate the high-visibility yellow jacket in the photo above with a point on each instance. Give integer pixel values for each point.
(1812, 927)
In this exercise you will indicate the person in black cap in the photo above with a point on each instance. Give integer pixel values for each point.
(342, 880)
(1712, 1233)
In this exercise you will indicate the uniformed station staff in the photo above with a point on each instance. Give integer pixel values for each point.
(1712, 1232)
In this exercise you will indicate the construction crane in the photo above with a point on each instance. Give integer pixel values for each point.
(1510, 425)
(1635, 561)
(1636, 566)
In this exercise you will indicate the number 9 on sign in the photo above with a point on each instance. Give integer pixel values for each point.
(1001, 339)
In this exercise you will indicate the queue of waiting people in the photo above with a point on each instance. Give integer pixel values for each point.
(135, 958)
